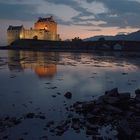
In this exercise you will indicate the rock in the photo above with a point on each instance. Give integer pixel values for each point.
(93, 119)
(42, 117)
(117, 109)
(92, 127)
(62, 128)
(137, 98)
(16, 121)
(113, 109)
(100, 100)
(98, 108)
(125, 101)
(60, 132)
(137, 91)
(137, 135)
(75, 120)
(88, 106)
(30, 115)
(109, 118)
(135, 124)
(76, 126)
(111, 100)
(124, 96)
(129, 114)
(91, 132)
(138, 105)
(50, 123)
(97, 137)
(5, 137)
(58, 93)
(53, 96)
(68, 95)
(124, 73)
(25, 133)
(44, 137)
(125, 132)
(53, 87)
(113, 92)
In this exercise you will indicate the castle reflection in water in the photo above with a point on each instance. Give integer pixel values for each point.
(43, 64)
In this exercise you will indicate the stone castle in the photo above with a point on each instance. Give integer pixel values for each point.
(44, 29)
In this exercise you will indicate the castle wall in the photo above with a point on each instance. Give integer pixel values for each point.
(31, 34)
(38, 34)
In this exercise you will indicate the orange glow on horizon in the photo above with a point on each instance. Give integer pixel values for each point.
(69, 32)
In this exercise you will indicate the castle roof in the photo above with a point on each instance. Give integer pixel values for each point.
(46, 19)
(15, 27)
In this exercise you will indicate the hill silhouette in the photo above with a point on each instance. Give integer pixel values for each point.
(134, 36)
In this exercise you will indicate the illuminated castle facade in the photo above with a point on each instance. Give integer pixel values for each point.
(44, 29)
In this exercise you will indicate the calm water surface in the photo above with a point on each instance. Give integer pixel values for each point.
(30, 82)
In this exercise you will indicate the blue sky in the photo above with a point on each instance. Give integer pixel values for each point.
(83, 18)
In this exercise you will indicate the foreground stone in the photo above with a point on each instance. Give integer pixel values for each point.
(116, 109)
(112, 116)
(68, 95)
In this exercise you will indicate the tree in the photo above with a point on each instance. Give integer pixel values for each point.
(76, 39)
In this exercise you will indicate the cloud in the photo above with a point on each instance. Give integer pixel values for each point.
(93, 30)
(84, 24)
(71, 3)
(61, 21)
(94, 7)
(85, 12)
(22, 10)
(121, 6)
(81, 6)
(17, 11)
(122, 13)
(121, 21)
(101, 13)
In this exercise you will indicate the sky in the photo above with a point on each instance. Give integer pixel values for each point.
(75, 18)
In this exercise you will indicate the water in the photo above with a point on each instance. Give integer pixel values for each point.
(32, 81)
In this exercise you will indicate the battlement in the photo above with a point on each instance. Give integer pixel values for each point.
(48, 19)
(15, 27)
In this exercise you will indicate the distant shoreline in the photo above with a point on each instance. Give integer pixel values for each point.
(73, 46)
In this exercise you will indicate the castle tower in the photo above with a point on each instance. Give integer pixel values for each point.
(46, 23)
(13, 33)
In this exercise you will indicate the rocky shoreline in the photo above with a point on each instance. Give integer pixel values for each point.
(113, 116)
(117, 113)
